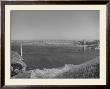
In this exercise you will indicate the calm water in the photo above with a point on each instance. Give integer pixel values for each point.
(52, 56)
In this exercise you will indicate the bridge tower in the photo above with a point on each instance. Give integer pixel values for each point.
(21, 49)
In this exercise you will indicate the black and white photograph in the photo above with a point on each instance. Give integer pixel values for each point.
(55, 44)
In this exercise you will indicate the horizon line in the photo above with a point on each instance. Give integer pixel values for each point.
(53, 39)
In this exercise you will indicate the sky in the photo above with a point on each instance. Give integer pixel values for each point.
(57, 24)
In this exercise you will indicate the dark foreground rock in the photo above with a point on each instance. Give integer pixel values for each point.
(17, 64)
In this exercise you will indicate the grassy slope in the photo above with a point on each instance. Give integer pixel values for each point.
(88, 69)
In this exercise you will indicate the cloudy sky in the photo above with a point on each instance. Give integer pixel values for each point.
(67, 25)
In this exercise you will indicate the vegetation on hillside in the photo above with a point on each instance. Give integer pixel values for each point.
(17, 64)
(89, 69)
(86, 70)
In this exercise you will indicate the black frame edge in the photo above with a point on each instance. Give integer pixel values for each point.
(2, 44)
(108, 44)
(3, 3)
(80, 2)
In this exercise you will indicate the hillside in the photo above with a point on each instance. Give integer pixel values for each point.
(88, 69)
(16, 58)
(17, 64)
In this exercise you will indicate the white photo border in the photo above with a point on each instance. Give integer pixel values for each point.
(100, 81)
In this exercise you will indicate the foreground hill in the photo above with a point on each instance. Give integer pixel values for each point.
(17, 64)
(88, 69)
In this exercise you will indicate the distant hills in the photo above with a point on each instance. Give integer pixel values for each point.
(55, 42)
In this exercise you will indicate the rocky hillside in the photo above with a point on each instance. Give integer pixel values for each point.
(17, 64)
